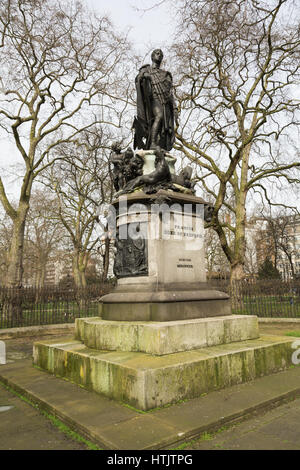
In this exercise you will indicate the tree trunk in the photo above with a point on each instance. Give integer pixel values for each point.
(39, 282)
(13, 307)
(40, 277)
(237, 272)
(78, 268)
(289, 256)
(15, 255)
(80, 280)
(76, 272)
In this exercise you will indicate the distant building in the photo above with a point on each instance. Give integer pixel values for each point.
(57, 269)
(281, 244)
(258, 244)
(289, 259)
(58, 266)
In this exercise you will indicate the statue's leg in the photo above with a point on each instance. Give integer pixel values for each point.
(158, 113)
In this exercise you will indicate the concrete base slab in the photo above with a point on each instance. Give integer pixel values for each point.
(147, 382)
(160, 338)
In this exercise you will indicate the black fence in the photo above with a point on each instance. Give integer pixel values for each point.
(29, 306)
(52, 305)
(267, 298)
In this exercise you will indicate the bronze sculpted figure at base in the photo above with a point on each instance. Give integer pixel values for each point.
(131, 254)
(126, 166)
(152, 181)
(116, 158)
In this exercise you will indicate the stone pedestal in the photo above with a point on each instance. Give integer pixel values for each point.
(164, 335)
(160, 261)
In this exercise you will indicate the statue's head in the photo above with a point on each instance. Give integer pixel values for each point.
(157, 55)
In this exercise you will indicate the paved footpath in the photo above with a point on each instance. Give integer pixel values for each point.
(23, 427)
(278, 429)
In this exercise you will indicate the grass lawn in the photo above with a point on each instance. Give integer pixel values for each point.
(293, 333)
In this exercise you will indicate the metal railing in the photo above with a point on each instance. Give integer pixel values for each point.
(266, 298)
(29, 306)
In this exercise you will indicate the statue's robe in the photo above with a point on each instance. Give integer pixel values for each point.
(161, 88)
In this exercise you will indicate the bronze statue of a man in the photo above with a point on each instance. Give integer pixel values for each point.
(156, 110)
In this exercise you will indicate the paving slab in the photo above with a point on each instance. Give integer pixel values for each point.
(61, 394)
(112, 425)
(219, 408)
(22, 427)
(262, 442)
(278, 429)
(144, 432)
(285, 430)
(281, 327)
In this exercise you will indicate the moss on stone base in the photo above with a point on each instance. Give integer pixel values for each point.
(147, 382)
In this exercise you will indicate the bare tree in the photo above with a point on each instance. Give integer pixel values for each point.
(237, 72)
(83, 189)
(5, 237)
(282, 231)
(44, 235)
(216, 262)
(60, 68)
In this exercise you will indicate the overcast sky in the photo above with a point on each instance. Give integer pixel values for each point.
(152, 28)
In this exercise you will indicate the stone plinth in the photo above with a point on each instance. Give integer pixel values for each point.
(145, 381)
(160, 261)
(165, 337)
(136, 306)
(162, 238)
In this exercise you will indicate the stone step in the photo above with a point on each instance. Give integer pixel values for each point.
(145, 381)
(160, 338)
